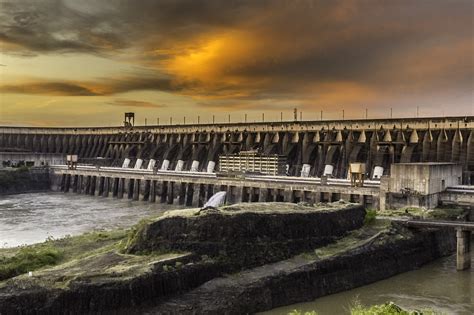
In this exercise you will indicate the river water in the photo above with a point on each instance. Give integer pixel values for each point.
(436, 285)
(31, 218)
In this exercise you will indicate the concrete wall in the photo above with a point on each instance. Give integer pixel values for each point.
(315, 145)
(424, 178)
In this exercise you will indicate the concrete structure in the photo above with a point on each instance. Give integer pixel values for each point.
(31, 159)
(252, 161)
(463, 236)
(194, 188)
(418, 184)
(313, 148)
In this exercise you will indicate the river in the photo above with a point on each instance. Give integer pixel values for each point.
(436, 285)
(31, 218)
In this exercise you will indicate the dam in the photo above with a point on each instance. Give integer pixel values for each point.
(178, 163)
(317, 147)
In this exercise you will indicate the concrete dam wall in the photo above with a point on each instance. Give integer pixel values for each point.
(318, 147)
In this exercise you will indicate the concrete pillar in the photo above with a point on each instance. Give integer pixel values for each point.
(67, 183)
(87, 185)
(463, 255)
(196, 191)
(105, 191)
(288, 196)
(316, 196)
(151, 164)
(93, 185)
(189, 194)
(263, 195)
(120, 188)
(162, 190)
(115, 184)
(100, 184)
(129, 187)
(305, 170)
(126, 163)
(138, 164)
(136, 189)
(179, 166)
(145, 190)
(152, 197)
(182, 194)
(328, 170)
(362, 200)
(230, 197)
(211, 166)
(195, 166)
(170, 193)
(165, 165)
(80, 180)
(202, 195)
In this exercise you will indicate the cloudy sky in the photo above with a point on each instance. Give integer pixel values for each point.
(69, 62)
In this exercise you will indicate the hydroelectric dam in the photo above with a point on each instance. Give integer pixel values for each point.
(178, 163)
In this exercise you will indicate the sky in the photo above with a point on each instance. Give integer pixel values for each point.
(85, 63)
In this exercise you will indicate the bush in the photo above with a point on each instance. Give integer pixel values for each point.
(370, 215)
(389, 308)
(28, 259)
(298, 312)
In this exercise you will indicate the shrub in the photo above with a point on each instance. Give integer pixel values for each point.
(370, 215)
(28, 259)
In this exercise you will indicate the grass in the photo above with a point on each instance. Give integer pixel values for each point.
(28, 259)
(20, 260)
(448, 213)
(388, 308)
(353, 239)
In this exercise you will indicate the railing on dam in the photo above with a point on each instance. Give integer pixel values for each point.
(195, 188)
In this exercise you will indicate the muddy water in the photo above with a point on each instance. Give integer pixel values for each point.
(437, 286)
(31, 218)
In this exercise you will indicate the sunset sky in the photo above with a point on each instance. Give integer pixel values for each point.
(85, 63)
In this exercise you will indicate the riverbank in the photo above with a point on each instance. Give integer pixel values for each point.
(186, 261)
(24, 180)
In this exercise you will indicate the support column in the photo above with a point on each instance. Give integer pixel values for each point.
(463, 254)
(136, 189)
(105, 191)
(189, 194)
(263, 195)
(120, 188)
(170, 193)
(115, 184)
(152, 197)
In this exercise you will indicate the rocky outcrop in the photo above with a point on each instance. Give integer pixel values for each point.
(249, 235)
(305, 279)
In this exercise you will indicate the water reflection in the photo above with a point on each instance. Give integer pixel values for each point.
(31, 218)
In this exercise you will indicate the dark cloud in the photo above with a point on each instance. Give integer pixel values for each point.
(254, 50)
(102, 87)
(50, 88)
(133, 103)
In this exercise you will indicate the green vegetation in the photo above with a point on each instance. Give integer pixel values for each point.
(441, 213)
(367, 234)
(28, 259)
(298, 312)
(20, 260)
(389, 308)
(370, 215)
